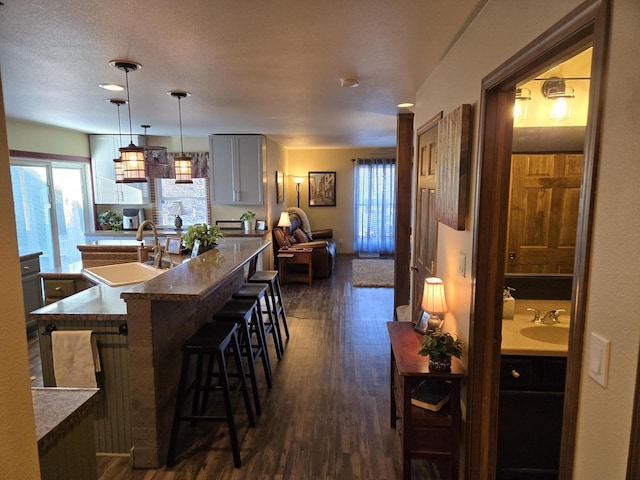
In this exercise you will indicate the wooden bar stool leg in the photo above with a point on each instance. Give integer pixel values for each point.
(175, 427)
(235, 346)
(233, 433)
(281, 309)
(246, 348)
(261, 347)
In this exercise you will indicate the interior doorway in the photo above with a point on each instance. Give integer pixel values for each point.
(585, 26)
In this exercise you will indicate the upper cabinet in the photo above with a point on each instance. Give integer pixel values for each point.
(104, 148)
(238, 169)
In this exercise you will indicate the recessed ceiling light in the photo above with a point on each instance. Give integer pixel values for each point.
(112, 87)
(405, 105)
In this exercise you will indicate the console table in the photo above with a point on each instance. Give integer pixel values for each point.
(423, 433)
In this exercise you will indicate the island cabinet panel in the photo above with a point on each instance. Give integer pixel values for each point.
(113, 408)
(31, 290)
(238, 169)
(434, 436)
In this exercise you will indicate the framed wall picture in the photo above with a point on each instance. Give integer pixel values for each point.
(322, 189)
(279, 187)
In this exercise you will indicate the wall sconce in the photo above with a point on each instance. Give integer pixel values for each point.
(131, 156)
(285, 223)
(521, 107)
(298, 181)
(555, 89)
(433, 302)
(181, 163)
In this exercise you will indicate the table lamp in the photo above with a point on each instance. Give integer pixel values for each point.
(434, 303)
(285, 223)
(177, 210)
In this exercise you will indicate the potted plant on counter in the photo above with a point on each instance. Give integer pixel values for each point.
(248, 220)
(440, 347)
(110, 220)
(206, 236)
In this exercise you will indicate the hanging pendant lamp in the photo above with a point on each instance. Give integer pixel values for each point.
(182, 163)
(132, 157)
(117, 162)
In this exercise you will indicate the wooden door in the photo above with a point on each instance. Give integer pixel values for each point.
(426, 227)
(543, 212)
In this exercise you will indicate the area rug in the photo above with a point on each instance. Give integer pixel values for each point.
(372, 273)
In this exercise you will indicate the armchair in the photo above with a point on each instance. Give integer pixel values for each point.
(322, 242)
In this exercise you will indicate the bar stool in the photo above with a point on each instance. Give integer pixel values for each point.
(211, 342)
(270, 277)
(257, 292)
(245, 313)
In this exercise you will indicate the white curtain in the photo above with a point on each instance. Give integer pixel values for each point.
(375, 205)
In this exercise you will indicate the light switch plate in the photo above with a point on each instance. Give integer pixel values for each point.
(462, 264)
(599, 358)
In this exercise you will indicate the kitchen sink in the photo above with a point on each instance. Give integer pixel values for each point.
(122, 273)
(556, 334)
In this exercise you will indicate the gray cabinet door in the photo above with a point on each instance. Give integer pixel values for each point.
(237, 169)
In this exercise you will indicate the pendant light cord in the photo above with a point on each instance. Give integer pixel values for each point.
(126, 76)
(180, 116)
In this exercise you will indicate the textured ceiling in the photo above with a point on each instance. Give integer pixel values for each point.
(253, 66)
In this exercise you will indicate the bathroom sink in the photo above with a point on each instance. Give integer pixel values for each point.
(122, 273)
(556, 334)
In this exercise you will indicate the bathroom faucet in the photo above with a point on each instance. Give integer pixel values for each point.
(157, 250)
(551, 315)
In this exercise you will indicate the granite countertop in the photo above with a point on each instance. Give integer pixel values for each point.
(189, 281)
(57, 410)
(30, 256)
(520, 336)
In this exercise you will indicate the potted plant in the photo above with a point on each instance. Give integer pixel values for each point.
(207, 236)
(110, 220)
(440, 347)
(248, 220)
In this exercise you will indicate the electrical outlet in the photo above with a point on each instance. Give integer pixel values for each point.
(462, 264)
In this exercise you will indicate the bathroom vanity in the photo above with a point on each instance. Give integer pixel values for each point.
(532, 379)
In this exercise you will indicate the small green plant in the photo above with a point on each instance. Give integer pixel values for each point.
(248, 215)
(110, 219)
(209, 236)
(439, 346)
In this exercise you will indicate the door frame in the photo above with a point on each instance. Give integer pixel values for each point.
(585, 25)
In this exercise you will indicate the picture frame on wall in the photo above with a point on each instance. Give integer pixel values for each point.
(279, 187)
(322, 189)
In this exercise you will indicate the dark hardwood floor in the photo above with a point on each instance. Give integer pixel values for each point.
(327, 415)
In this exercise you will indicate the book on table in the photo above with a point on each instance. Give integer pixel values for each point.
(431, 394)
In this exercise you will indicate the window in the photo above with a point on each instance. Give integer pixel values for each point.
(51, 206)
(193, 197)
(375, 207)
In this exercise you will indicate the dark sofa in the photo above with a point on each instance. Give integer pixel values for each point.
(322, 242)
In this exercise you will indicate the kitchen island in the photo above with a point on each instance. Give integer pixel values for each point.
(160, 314)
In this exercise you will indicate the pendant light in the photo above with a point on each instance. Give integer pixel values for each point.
(131, 156)
(182, 163)
(117, 162)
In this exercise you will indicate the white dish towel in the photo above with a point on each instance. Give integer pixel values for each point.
(75, 358)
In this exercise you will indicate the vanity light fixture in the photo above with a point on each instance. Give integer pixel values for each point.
(555, 89)
(131, 156)
(298, 181)
(520, 109)
(181, 163)
(285, 223)
(117, 162)
(433, 302)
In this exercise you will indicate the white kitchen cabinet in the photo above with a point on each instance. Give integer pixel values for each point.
(238, 169)
(104, 148)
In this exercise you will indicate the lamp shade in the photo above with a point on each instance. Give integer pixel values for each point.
(119, 167)
(298, 180)
(284, 221)
(433, 300)
(133, 161)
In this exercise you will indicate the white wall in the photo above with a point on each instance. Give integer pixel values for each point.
(501, 29)
(18, 443)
